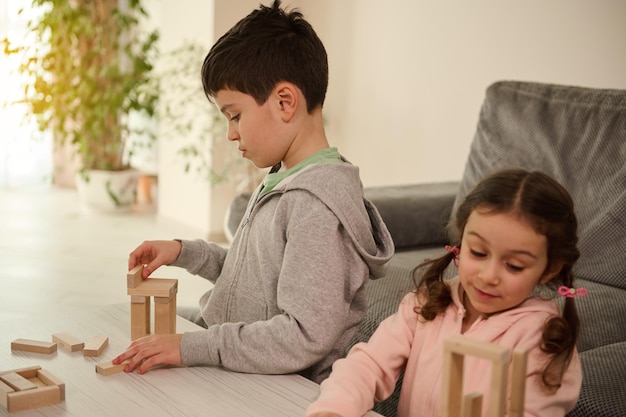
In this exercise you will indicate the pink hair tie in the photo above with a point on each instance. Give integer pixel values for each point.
(455, 251)
(572, 292)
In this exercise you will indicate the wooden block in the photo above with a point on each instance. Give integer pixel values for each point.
(35, 346)
(38, 382)
(139, 316)
(29, 388)
(466, 346)
(498, 388)
(133, 278)
(95, 346)
(27, 400)
(173, 315)
(455, 348)
(163, 300)
(472, 405)
(518, 382)
(155, 287)
(48, 379)
(28, 372)
(4, 391)
(68, 342)
(107, 368)
(17, 382)
(452, 383)
(164, 315)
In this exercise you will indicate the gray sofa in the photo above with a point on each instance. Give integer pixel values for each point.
(578, 135)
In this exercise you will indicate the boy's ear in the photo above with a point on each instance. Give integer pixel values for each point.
(286, 96)
(551, 271)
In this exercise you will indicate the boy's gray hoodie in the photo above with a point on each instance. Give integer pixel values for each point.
(289, 293)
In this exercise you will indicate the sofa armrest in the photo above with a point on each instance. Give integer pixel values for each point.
(415, 214)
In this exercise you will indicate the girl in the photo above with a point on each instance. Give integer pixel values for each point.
(516, 248)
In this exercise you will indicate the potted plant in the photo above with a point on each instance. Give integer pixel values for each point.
(89, 79)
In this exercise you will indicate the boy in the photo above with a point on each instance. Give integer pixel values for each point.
(289, 294)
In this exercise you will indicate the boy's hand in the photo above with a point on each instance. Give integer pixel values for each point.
(153, 254)
(150, 351)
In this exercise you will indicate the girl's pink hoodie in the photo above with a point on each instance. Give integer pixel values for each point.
(402, 342)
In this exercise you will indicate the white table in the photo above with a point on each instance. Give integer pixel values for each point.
(197, 391)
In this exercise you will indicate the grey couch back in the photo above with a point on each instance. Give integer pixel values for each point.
(577, 135)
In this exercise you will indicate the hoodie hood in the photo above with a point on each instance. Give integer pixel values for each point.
(334, 186)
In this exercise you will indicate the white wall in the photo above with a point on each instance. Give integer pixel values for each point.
(407, 77)
(182, 198)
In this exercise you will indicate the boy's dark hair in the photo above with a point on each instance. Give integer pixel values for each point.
(548, 207)
(268, 46)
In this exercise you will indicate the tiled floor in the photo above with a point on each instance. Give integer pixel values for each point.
(54, 256)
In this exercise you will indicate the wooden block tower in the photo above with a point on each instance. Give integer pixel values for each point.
(164, 293)
(454, 404)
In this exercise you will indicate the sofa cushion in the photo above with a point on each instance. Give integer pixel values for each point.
(577, 135)
(415, 214)
(601, 313)
(602, 393)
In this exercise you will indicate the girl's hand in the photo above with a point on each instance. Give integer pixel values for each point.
(325, 414)
(150, 351)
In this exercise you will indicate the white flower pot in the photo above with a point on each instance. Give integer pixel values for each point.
(107, 191)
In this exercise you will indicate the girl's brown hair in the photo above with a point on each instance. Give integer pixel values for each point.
(548, 207)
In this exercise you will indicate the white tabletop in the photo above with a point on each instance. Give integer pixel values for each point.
(197, 391)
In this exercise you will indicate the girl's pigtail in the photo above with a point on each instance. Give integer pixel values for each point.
(432, 286)
(559, 340)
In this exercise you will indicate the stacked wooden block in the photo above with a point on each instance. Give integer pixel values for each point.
(164, 293)
(454, 404)
(28, 388)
